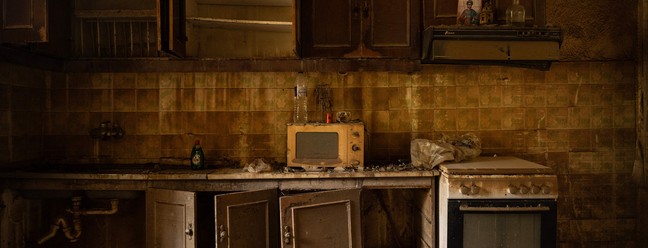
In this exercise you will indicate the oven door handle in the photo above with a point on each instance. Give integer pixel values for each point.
(504, 209)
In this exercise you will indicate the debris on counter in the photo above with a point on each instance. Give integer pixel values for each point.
(429, 154)
(258, 165)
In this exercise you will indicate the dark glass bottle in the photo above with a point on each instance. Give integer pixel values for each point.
(197, 157)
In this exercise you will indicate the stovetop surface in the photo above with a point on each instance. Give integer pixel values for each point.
(494, 166)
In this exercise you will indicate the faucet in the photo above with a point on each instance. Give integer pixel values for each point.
(107, 130)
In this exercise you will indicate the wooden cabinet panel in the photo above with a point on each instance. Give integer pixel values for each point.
(170, 219)
(321, 219)
(359, 28)
(247, 219)
(444, 12)
(24, 21)
(172, 35)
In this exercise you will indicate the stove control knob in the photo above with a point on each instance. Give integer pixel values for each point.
(535, 189)
(524, 189)
(464, 190)
(474, 189)
(546, 189)
(512, 189)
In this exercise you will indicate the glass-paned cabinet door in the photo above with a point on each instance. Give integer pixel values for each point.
(23, 21)
(321, 219)
(170, 218)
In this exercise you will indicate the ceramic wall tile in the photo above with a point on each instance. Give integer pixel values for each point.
(468, 119)
(490, 118)
(561, 95)
(444, 97)
(125, 100)
(218, 122)
(148, 100)
(445, 119)
(147, 81)
(124, 80)
(422, 97)
(513, 95)
(422, 120)
(490, 96)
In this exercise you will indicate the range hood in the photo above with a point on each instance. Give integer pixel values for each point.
(531, 47)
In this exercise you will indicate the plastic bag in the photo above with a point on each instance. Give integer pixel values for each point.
(258, 165)
(429, 154)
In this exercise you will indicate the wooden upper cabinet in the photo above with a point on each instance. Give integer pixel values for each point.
(172, 36)
(24, 21)
(444, 12)
(358, 28)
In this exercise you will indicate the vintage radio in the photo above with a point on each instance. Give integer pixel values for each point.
(315, 146)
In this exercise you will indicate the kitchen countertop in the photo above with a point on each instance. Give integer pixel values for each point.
(140, 177)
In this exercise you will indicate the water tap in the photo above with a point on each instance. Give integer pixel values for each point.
(107, 130)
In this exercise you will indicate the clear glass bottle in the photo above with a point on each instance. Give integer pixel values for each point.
(515, 14)
(301, 99)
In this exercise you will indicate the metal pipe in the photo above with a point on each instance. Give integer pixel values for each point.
(74, 233)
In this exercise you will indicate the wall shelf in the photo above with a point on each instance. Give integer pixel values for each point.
(258, 25)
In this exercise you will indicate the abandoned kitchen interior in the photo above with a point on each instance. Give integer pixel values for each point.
(323, 123)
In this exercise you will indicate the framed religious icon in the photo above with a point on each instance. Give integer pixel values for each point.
(468, 12)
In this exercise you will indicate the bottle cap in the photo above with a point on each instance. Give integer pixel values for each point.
(197, 142)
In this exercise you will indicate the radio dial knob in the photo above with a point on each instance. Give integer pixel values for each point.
(474, 189)
(512, 189)
(355, 134)
(464, 190)
(524, 189)
(535, 189)
(355, 162)
(355, 148)
(546, 189)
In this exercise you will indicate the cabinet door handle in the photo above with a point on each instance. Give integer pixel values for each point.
(287, 235)
(222, 234)
(189, 231)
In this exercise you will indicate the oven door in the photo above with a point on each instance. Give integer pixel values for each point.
(502, 223)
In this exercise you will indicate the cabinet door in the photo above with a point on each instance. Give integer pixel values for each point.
(322, 219)
(170, 219)
(393, 27)
(23, 21)
(172, 36)
(247, 219)
(328, 28)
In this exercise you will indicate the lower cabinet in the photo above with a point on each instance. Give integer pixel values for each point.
(290, 219)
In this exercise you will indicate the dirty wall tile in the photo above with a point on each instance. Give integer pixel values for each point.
(58, 100)
(444, 97)
(375, 79)
(170, 99)
(5, 154)
(579, 117)
(561, 95)
(27, 98)
(400, 98)
(581, 140)
(376, 98)
(445, 119)
(148, 100)
(467, 119)
(557, 118)
(490, 96)
(101, 81)
(513, 118)
(559, 161)
(535, 118)
(58, 81)
(238, 99)
(624, 138)
(556, 140)
(490, 119)
(422, 120)
(513, 95)
(603, 139)
(79, 80)
(491, 75)
(602, 117)
(195, 122)
(124, 80)
(260, 142)
(125, 100)
(148, 146)
(535, 142)
(513, 76)
(147, 123)
(193, 99)
(265, 99)
(468, 96)
(558, 73)
(624, 95)
(262, 122)
(172, 122)
(239, 123)
(592, 163)
(400, 121)
(422, 97)
(101, 100)
(218, 122)
(624, 117)
(147, 81)
(5, 123)
(375, 121)
(26, 123)
(353, 99)
(467, 76)
(535, 96)
(533, 76)
(5, 96)
(170, 80)
(216, 99)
